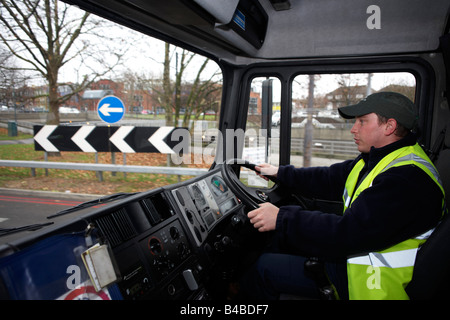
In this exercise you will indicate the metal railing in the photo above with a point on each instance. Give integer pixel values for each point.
(324, 148)
(329, 148)
(98, 167)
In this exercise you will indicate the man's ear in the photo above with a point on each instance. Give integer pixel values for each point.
(391, 126)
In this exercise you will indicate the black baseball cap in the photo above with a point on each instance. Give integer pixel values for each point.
(387, 104)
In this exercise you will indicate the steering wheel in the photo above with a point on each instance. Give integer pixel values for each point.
(251, 197)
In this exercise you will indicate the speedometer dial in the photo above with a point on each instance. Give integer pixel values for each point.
(218, 186)
(198, 196)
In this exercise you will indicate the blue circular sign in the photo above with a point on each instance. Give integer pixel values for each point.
(110, 109)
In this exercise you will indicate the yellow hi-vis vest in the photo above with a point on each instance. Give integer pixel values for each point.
(385, 274)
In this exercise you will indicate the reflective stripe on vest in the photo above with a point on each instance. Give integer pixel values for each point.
(393, 259)
(417, 160)
(385, 274)
(397, 259)
(351, 183)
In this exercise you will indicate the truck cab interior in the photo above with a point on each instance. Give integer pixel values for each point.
(192, 240)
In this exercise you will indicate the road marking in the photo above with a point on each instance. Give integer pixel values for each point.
(69, 203)
(3, 219)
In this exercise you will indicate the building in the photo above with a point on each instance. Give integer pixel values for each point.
(344, 96)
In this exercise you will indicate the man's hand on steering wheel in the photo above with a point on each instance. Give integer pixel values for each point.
(251, 197)
(260, 202)
(266, 171)
(265, 217)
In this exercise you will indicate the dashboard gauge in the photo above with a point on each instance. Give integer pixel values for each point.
(218, 186)
(198, 196)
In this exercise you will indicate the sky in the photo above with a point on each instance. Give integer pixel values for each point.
(146, 55)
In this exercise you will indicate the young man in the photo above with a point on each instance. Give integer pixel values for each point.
(393, 198)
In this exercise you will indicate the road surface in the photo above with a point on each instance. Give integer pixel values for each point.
(20, 208)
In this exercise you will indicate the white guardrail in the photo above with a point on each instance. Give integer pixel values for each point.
(179, 171)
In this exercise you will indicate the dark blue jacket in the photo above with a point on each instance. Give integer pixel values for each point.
(401, 203)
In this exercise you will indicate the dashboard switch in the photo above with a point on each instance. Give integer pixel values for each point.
(190, 279)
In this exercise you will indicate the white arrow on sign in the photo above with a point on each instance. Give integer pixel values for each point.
(43, 134)
(157, 139)
(105, 109)
(80, 138)
(119, 135)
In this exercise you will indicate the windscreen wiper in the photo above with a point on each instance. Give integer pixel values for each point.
(31, 227)
(92, 203)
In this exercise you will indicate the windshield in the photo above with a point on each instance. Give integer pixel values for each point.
(159, 85)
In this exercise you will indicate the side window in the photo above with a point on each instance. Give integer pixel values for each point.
(262, 128)
(319, 136)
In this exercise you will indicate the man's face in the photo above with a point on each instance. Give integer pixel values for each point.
(367, 132)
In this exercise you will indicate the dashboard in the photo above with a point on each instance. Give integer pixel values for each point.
(187, 241)
(164, 242)
(180, 242)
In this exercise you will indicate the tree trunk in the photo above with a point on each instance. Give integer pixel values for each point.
(307, 152)
(167, 95)
(53, 114)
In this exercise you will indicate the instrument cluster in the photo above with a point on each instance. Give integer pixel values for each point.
(203, 203)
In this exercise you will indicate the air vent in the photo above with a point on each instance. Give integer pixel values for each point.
(152, 213)
(116, 227)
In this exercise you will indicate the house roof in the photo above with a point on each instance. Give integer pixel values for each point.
(96, 94)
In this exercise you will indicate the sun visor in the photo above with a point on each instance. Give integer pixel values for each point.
(249, 22)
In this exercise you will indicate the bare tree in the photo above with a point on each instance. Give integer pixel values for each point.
(166, 94)
(45, 36)
(138, 89)
(171, 94)
(194, 97)
(11, 80)
(351, 88)
(203, 96)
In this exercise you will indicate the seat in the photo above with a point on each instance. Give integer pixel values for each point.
(432, 267)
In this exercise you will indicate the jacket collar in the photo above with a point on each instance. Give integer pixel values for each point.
(376, 154)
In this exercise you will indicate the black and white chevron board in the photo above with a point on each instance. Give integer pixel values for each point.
(125, 139)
